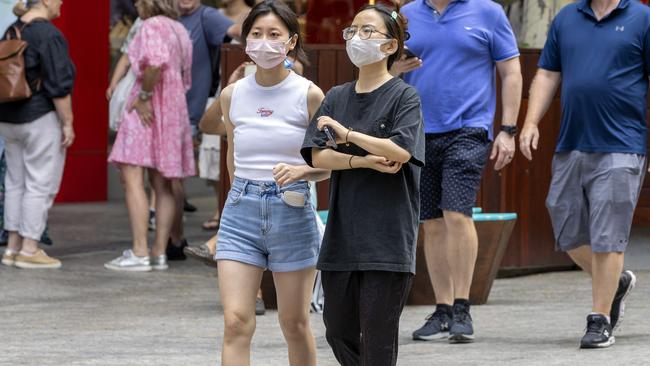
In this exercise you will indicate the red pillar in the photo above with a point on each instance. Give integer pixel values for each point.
(86, 27)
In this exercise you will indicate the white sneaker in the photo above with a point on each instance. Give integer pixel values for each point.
(159, 263)
(9, 257)
(129, 262)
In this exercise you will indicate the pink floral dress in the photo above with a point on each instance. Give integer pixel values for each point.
(167, 145)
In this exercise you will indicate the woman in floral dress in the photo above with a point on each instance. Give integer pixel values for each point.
(154, 133)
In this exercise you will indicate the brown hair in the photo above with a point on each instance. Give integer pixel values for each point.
(168, 8)
(286, 15)
(396, 25)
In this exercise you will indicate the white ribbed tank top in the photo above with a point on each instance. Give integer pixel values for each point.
(270, 124)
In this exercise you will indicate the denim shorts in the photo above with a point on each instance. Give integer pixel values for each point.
(269, 226)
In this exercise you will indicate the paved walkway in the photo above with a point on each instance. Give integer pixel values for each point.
(83, 314)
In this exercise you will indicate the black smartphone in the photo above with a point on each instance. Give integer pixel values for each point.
(409, 53)
(331, 139)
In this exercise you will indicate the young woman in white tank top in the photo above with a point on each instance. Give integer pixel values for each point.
(267, 221)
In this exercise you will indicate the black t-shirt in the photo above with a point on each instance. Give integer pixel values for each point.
(46, 62)
(373, 217)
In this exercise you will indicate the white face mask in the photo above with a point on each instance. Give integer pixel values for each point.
(365, 51)
(267, 53)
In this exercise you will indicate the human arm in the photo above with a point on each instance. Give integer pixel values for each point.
(225, 98)
(503, 148)
(211, 122)
(285, 173)
(121, 68)
(150, 77)
(234, 31)
(334, 160)
(63, 108)
(376, 146)
(542, 90)
(404, 65)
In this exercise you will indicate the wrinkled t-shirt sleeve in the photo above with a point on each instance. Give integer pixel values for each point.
(58, 71)
(504, 43)
(550, 58)
(408, 128)
(216, 26)
(314, 137)
(150, 46)
(646, 50)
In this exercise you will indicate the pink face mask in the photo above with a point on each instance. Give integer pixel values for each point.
(267, 54)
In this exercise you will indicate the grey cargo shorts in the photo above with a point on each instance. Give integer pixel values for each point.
(592, 198)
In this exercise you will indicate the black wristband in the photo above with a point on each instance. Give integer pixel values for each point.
(509, 129)
(350, 161)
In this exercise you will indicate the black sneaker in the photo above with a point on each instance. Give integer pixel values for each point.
(461, 330)
(152, 220)
(599, 333)
(436, 326)
(188, 207)
(175, 252)
(260, 309)
(625, 285)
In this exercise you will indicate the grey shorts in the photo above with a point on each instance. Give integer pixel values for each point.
(592, 199)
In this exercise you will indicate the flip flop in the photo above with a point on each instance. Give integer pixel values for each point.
(211, 225)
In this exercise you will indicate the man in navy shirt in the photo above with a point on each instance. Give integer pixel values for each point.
(459, 44)
(599, 51)
(207, 28)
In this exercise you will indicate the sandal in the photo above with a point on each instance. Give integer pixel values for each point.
(202, 253)
(211, 225)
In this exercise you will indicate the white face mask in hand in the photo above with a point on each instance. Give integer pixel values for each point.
(365, 51)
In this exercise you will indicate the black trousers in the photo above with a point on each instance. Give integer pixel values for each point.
(361, 315)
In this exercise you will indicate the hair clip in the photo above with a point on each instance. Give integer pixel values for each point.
(394, 15)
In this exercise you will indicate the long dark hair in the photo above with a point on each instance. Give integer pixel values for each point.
(396, 25)
(250, 3)
(286, 15)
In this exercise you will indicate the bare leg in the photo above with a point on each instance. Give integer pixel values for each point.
(238, 283)
(607, 268)
(15, 243)
(294, 295)
(165, 211)
(179, 197)
(152, 198)
(463, 249)
(30, 246)
(212, 244)
(582, 256)
(137, 205)
(435, 251)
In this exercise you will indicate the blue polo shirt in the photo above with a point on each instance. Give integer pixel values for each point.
(604, 66)
(459, 49)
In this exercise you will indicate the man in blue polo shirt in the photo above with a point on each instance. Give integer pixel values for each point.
(599, 51)
(459, 44)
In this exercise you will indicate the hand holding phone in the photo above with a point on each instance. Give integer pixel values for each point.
(331, 139)
(409, 54)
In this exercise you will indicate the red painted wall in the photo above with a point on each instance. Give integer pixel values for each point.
(86, 26)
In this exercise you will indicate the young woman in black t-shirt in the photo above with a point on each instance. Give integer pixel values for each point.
(368, 253)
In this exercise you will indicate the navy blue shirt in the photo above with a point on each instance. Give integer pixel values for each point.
(459, 49)
(207, 28)
(604, 66)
